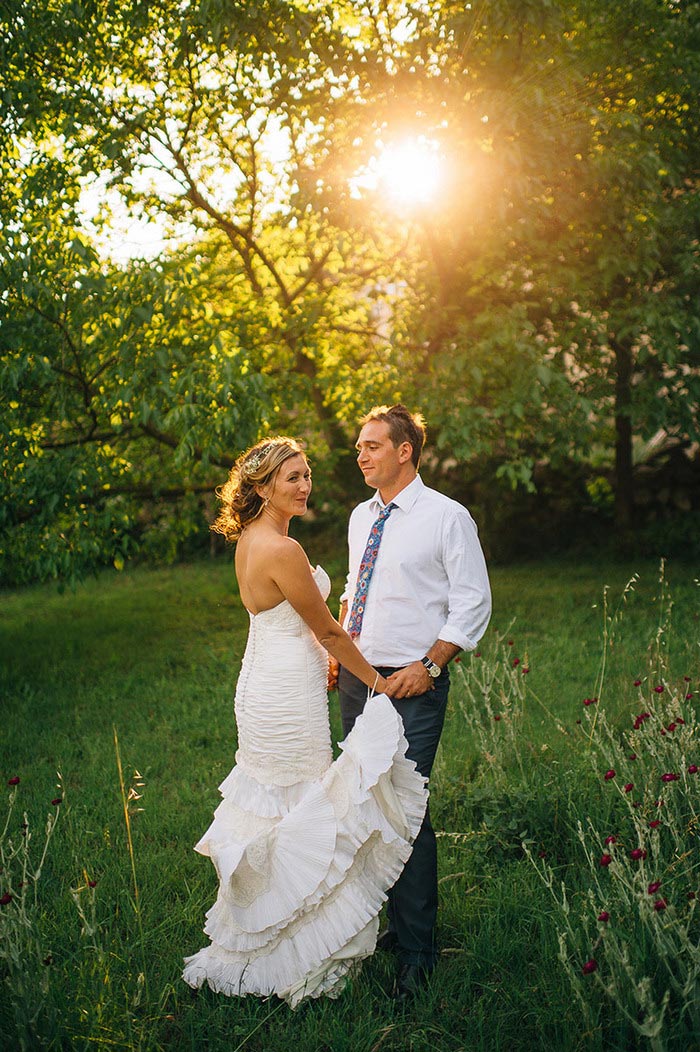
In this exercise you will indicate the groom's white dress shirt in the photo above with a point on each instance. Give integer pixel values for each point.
(430, 580)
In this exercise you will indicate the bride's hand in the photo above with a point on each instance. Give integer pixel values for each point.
(333, 669)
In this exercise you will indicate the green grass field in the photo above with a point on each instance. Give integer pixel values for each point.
(143, 665)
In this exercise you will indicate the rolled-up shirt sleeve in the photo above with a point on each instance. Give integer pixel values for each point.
(469, 595)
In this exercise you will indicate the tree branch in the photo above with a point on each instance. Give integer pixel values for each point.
(314, 269)
(172, 442)
(236, 234)
(82, 440)
(171, 493)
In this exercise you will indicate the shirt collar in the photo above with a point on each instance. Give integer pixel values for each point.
(405, 499)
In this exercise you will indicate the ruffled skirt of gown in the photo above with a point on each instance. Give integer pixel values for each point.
(304, 866)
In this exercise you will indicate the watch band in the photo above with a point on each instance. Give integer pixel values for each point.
(432, 669)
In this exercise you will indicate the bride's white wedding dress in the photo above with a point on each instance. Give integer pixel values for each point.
(304, 848)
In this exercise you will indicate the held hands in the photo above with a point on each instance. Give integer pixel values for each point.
(406, 683)
(409, 681)
(382, 686)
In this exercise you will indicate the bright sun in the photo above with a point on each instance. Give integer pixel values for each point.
(408, 171)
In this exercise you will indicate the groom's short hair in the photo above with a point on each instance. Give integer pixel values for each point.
(404, 426)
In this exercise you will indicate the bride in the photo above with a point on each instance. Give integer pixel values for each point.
(304, 847)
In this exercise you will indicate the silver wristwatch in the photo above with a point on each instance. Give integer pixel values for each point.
(432, 669)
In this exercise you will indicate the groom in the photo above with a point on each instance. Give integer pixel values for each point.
(417, 593)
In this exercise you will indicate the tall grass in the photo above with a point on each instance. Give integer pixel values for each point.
(126, 688)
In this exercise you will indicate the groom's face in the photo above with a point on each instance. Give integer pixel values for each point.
(379, 460)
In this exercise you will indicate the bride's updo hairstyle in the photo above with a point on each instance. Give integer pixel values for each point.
(240, 502)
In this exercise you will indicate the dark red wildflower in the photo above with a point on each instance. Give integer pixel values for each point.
(689, 697)
(541, 854)
(92, 883)
(13, 781)
(660, 905)
(604, 916)
(590, 701)
(57, 800)
(659, 689)
(670, 777)
(671, 727)
(5, 899)
(653, 887)
(458, 660)
(629, 787)
(691, 895)
(605, 860)
(578, 721)
(632, 756)
(662, 732)
(637, 682)
(590, 966)
(679, 719)
(609, 774)
(510, 642)
(516, 662)
(611, 840)
(525, 671)
(692, 768)
(654, 824)
(497, 718)
(686, 679)
(638, 853)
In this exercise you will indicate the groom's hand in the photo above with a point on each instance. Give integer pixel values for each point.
(409, 681)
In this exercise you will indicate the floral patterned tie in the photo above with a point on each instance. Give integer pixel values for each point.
(366, 570)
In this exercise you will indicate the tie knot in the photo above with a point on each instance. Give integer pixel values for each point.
(386, 510)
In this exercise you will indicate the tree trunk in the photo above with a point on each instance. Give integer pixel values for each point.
(624, 486)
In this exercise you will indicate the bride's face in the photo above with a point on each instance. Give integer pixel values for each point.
(292, 487)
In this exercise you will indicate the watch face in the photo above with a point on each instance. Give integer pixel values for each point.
(434, 671)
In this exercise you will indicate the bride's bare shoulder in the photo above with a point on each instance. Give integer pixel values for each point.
(289, 552)
(266, 549)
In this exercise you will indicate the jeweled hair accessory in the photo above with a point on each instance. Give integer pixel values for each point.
(254, 463)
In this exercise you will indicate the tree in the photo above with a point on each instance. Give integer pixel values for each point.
(555, 298)
(152, 374)
(542, 310)
(636, 332)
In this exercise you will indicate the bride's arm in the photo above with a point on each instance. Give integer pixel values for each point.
(333, 663)
(291, 573)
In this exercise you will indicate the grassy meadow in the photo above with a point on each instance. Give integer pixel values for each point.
(572, 738)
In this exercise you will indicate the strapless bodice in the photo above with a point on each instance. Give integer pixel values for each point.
(282, 697)
(283, 616)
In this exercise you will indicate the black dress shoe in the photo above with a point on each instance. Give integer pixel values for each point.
(410, 979)
(387, 940)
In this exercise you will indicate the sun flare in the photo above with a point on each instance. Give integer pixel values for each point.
(408, 172)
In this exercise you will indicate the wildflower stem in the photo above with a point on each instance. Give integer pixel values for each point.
(10, 809)
(255, 1029)
(132, 857)
(555, 719)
